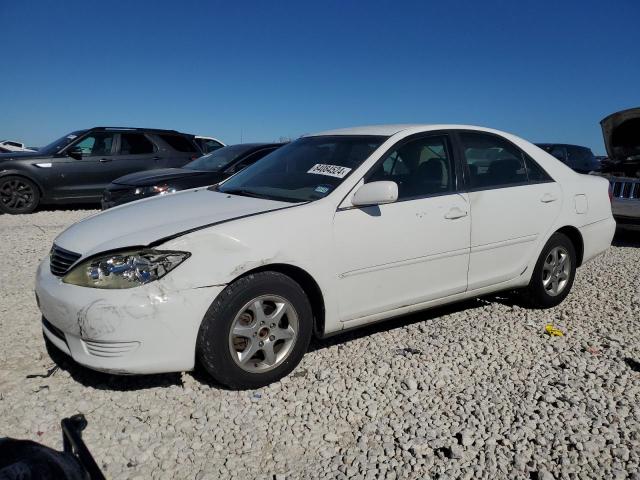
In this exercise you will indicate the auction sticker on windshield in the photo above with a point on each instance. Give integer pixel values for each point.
(337, 171)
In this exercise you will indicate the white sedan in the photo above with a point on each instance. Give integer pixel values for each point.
(332, 231)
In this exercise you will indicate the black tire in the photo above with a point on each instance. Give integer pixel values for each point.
(18, 195)
(537, 294)
(213, 344)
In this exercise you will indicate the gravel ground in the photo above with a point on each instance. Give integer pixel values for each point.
(477, 390)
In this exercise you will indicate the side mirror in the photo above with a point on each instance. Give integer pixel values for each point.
(375, 193)
(75, 152)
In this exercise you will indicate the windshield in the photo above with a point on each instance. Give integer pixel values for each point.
(55, 147)
(307, 169)
(219, 159)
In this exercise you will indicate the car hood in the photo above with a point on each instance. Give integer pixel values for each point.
(154, 177)
(146, 221)
(621, 132)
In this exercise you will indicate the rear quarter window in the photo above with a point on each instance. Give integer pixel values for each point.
(180, 143)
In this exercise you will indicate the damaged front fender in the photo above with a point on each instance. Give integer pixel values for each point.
(218, 258)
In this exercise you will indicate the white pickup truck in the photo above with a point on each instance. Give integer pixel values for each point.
(8, 146)
(621, 132)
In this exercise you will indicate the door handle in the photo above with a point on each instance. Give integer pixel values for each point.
(104, 160)
(454, 213)
(156, 158)
(548, 198)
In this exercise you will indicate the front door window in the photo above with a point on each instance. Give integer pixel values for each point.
(420, 167)
(97, 144)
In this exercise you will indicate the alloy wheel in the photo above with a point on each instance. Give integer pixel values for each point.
(16, 194)
(556, 271)
(263, 333)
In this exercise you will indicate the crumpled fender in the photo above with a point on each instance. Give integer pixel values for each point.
(224, 252)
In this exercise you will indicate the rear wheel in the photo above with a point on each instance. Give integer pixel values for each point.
(554, 273)
(18, 195)
(256, 331)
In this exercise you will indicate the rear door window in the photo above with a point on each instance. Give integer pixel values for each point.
(535, 172)
(135, 144)
(494, 162)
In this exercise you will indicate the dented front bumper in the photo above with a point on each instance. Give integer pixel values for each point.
(147, 329)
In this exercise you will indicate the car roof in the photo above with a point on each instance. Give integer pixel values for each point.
(205, 137)
(140, 129)
(559, 145)
(260, 144)
(392, 129)
(253, 145)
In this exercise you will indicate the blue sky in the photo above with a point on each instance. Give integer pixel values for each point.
(545, 70)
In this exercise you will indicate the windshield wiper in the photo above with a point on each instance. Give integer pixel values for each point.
(242, 192)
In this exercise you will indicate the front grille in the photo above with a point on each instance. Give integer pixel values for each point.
(61, 260)
(627, 189)
(113, 195)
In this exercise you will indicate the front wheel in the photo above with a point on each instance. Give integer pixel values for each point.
(256, 331)
(554, 272)
(18, 195)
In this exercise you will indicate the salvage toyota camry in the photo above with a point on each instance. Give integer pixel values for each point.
(333, 231)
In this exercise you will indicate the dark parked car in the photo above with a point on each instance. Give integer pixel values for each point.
(580, 159)
(77, 167)
(206, 170)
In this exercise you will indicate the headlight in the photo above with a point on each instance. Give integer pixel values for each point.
(154, 190)
(126, 269)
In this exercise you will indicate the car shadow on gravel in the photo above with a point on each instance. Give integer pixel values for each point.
(105, 381)
(346, 336)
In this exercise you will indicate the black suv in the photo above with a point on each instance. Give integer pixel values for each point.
(206, 170)
(580, 159)
(77, 167)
